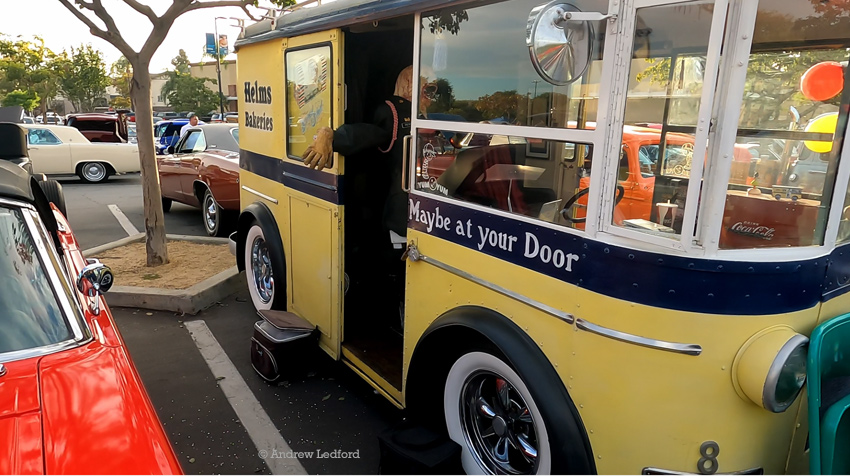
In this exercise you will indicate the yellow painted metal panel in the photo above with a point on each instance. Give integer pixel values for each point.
(260, 97)
(313, 263)
(642, 407)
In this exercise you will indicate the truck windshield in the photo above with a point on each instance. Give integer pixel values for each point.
(30, 315)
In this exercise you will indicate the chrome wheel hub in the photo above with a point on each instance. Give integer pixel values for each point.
(498, 425)
(210, 213)
(95, 172)
(261, 268)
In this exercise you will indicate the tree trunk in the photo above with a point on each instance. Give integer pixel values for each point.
(155, 241)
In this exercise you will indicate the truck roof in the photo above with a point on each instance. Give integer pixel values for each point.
(333, 15)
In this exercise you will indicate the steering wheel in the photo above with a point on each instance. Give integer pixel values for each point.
(621, 192)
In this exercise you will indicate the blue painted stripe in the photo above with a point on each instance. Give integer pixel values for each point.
(323, 185)
(654, 279)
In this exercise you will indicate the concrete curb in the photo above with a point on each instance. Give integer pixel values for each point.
(188, 301)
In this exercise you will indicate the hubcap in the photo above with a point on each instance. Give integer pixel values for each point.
(95, 172)
(261, 266)
(211, 214)
(497, 425)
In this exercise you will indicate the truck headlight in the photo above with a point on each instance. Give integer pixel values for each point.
(770, 368)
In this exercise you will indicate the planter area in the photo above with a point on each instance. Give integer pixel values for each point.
(200, 273)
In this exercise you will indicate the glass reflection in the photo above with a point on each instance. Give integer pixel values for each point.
(478, 60)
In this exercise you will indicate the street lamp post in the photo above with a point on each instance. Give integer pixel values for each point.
(218, 66)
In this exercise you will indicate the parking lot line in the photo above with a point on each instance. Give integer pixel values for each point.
(254, 418)
(123, 220)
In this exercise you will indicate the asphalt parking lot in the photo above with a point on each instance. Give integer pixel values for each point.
(320, 407)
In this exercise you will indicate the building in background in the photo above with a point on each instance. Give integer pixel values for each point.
(228, 79)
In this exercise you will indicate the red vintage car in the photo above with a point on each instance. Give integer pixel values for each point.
(202, 170)
(71, 400)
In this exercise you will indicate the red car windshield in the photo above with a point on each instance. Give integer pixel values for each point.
(30, 315)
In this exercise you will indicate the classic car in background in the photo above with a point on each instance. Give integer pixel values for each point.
(64, 150)
(99, 127)
(167, 132)
(202, 170)
(13, 149)
(67, 383)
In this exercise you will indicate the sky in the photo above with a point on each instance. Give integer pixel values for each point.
(60, 29)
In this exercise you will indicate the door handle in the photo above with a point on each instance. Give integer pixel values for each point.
(405, 158)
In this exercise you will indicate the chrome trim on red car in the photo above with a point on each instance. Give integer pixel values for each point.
(65, 297)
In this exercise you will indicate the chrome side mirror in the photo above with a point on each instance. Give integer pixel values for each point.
(95, 279)
(560, 41)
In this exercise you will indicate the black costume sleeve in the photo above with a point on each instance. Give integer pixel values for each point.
(350, 139)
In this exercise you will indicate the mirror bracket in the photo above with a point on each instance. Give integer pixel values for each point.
(588, 16)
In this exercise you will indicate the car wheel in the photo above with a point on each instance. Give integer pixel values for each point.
(94, 172)
(166, 204)
(53, 191)
(213, 215)
(260, 271)
(491, 414)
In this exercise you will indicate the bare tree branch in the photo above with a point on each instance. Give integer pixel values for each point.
(161, 27)
(143, 9)
(243, 4)
(116, 41)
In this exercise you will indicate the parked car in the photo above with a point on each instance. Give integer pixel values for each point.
(67, 382)
(98, 127)
(232, 117)
(131, 134)
(64, 150)
(13, 149)
(202, 170)
(167, 132)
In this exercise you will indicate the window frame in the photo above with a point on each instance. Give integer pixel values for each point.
(596, 138)
(331, 89)
(730, 95)
(66, 298)
(687, 241)
(58, 140)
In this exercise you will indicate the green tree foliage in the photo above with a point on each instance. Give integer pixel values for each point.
(186, 93)
(507, 105)
(121, 75)
(28, 67)
(181, 62)
(83, 77)
(449, 20)
(26, 99)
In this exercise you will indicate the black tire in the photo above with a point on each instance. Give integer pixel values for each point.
(266, 283)
(53, 191)
(166, 204)
(94, 172)
(475, 377)
(212, 215)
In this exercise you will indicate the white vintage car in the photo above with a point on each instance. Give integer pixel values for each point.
(64, 150)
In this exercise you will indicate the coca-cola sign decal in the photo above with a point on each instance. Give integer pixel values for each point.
(748, 228)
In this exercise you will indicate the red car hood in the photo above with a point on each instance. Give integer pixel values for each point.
(20, 419)
(96, 420)
(87, 417)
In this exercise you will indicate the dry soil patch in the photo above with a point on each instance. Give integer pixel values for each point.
(189, 264)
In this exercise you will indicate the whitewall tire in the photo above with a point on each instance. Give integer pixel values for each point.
(491, 414)
(258, 268)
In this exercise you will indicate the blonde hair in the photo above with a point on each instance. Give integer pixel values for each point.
(404, 84)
